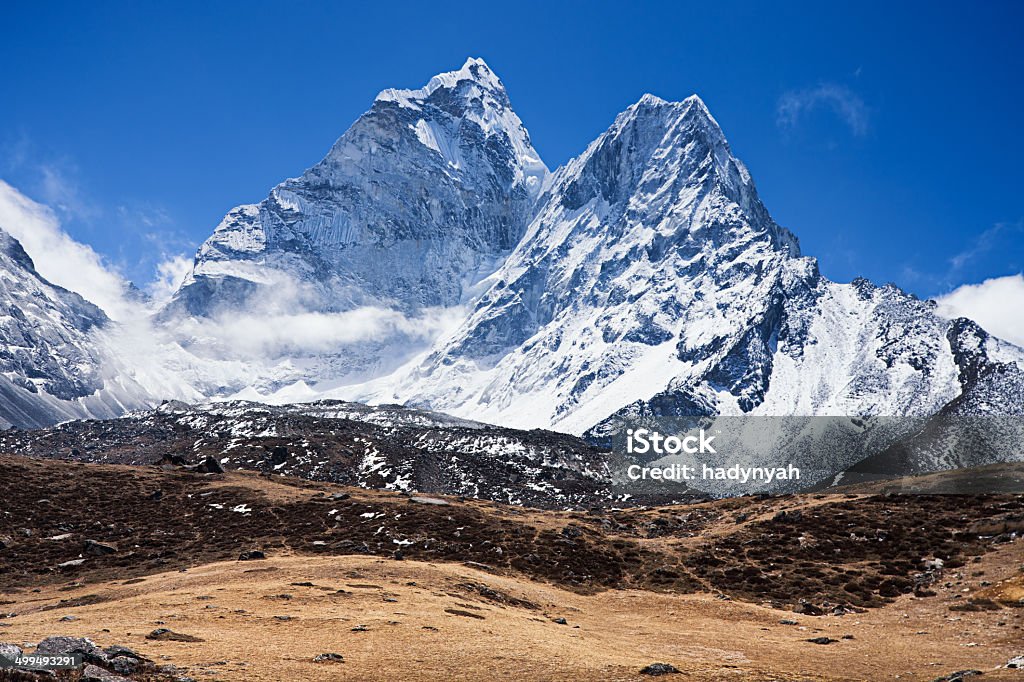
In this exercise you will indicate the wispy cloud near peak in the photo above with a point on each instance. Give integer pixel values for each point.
(846, 104)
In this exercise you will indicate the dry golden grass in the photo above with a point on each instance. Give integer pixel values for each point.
(420, 625)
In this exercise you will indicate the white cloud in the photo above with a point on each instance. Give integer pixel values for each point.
(57, 256)
(274, 344)
(275, 335)
(169, 275)
(844, 102)
(996, 304)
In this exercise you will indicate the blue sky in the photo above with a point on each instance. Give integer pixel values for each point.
(886, 137)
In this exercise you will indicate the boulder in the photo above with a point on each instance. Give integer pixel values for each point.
(97, 548)
(658, 669)
(958, 676)
(329, 658)
(165, 635)
(172, 460)
(10, 651)
(251, 555)
(125, 665)
(822, 640)
(808, 609)
(59, 646)
(279, 455)
(210, 466)
(118, 650)
(93, 673)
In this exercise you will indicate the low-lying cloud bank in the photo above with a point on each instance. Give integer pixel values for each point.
(309, 333)
(279, 344)
(996, 304)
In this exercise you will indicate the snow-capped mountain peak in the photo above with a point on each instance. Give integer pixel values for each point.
(430, 259)
(653, 281)
(474, 70)
(473, 93)
(420, 199)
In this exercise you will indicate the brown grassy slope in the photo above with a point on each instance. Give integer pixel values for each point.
(412, 620)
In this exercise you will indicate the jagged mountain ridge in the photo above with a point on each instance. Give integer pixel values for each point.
(432, 181)
(652, 281)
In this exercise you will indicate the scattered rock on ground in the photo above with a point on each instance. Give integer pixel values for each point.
(251, 555)
(329, 658)
(656, 669)
(92, 673)
(164, 634)
(822, 640)
(958, 676)
(99, 548)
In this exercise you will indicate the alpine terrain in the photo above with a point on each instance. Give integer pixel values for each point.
(430, 260)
